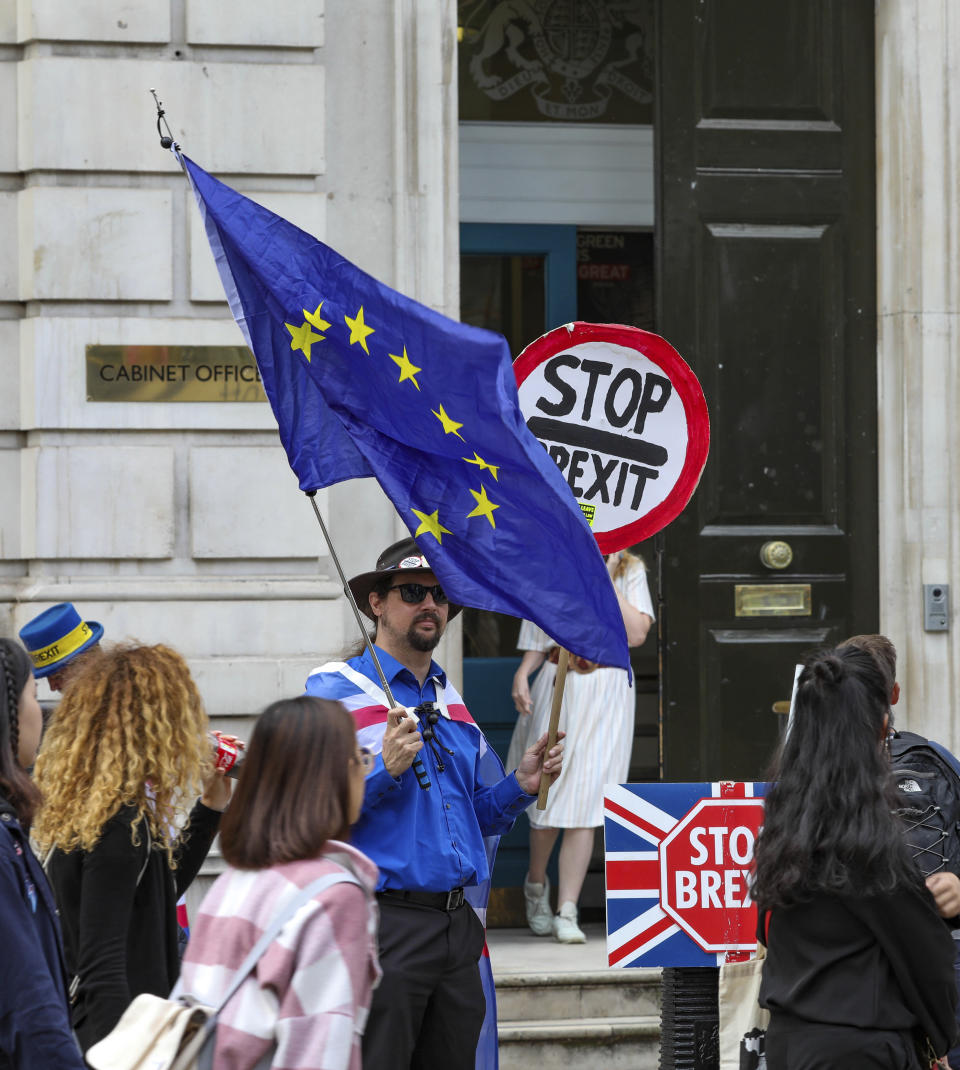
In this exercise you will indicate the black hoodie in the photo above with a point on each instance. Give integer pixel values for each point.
(34, 1021)
(873, 962)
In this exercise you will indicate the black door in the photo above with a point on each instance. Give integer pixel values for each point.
(766, 284)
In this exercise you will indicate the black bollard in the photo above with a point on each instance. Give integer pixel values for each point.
(689, 1022)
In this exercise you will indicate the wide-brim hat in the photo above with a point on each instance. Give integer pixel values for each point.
(402, 556)
(57, 636)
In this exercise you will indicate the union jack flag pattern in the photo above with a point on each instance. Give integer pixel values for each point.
(637, 819)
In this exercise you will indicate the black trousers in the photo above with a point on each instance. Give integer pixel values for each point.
(429, 1007)
(795, 1045)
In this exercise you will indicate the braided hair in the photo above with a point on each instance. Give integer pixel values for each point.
(828, 826)
(15, 786)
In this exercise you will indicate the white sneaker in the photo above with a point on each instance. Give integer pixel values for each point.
(565, 927)
(537, 900)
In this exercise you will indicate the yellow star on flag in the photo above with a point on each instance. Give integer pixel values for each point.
(358, 330)
(482, 464)
(450, 427)
(316, 319)
(302, 338)
(408, 370)
(430, 525)
(485, 507)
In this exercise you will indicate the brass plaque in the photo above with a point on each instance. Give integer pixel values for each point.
(172, 373)
(772, 600)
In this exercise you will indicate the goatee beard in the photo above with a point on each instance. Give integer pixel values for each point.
(425, 643)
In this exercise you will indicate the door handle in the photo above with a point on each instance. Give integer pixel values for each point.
(783, 706)
(776, 554)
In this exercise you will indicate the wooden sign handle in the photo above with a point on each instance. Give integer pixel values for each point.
(558, 685)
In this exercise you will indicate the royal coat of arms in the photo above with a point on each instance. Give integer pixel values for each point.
(574, 60)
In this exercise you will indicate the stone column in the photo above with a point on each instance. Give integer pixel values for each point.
(918, 146)
(393, 190)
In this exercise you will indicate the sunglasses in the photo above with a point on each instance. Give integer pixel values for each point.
(412, 593)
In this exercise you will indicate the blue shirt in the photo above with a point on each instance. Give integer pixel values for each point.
(430, 840)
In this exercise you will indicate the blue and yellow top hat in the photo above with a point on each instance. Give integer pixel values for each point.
(57, 636)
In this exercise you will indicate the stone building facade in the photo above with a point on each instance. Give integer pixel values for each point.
(918, 305)
(181, 522)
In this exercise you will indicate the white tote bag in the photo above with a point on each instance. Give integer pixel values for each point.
(179, 1034)
(743, 1022)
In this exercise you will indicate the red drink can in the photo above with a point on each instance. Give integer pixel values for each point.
(227, 756)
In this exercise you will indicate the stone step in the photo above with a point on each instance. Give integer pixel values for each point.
(576, 996)
(629, 1042)
(559, 1006)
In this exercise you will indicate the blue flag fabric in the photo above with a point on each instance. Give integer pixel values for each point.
(364, 381)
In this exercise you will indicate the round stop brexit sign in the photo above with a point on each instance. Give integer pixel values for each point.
(625, 420)
(705, 864)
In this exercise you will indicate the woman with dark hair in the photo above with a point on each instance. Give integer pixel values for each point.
(34, 1019)
(859, 969)
(306, 1002)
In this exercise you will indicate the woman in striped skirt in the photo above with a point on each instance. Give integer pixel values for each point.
(597, 714)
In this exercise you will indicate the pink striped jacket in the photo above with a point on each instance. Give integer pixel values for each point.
(307, 1001)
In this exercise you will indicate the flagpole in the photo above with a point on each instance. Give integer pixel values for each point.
(312, 495)
(166, 140)
(418, 766)
(558, 685)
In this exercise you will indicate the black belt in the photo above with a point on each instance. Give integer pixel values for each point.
(451, 900)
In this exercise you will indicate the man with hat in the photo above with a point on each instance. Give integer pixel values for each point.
(56, 640)
(436, 792)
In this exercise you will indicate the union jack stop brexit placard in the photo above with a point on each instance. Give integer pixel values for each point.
(678, 859)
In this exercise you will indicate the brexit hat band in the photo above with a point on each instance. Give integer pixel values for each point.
(414, 561)
(63, 647)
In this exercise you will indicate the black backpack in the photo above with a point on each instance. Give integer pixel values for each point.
(928, 784)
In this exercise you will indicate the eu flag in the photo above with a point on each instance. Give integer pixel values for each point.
(364, 381)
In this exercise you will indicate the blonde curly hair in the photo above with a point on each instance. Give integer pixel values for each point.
(131, 731)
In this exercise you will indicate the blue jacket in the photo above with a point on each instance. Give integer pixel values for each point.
(34, 1022)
